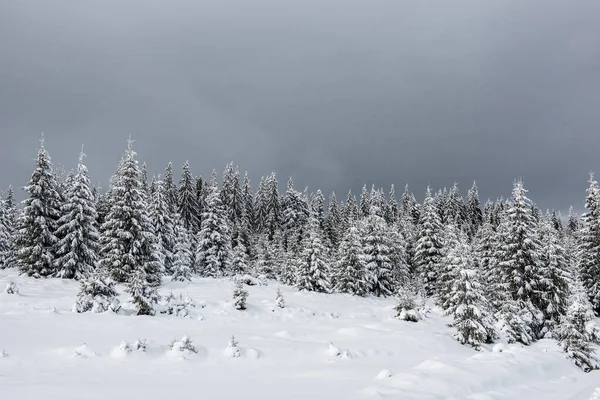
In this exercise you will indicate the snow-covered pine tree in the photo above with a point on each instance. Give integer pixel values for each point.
(351, 272)
(519, 265)
(36, 236)
(79, 240)
(333, 222)
(239, 262)
(143, 294)
(391, 210)
(589, 245)
(378, 251)
(127, 239)
(318, 209)
(213, 253)
(572, 223)
(97, 293)
(272, 211)
(467, 305)
(312, 267)
(182, 265)
(170, 189)
(5, 234)
(163, 225)
(428, 248)
(350, 213)
(294, 216)
(248, 202)
(365, 202)
(484, 245)
(187, 201)
(239, 296)
(279, 300)
(231, 194)
(474, 215)
(555, 277)
(577, 331)
(456, 256)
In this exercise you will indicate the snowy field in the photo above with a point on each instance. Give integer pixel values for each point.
(53, 353)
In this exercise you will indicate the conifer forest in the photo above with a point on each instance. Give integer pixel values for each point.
(500, 270)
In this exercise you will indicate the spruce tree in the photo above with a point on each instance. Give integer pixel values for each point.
(391, 210)
(182, 265)
(187, 201)
(36, 236)
(351, 270)
(163, 225)
(333, 222)
(79, 240)
(555, 277)
(5, 234)
(428, 248)
(231, 194)
(589, 245)
(127, 240)
(468, 307)
(474, 215)
(378, 250)
(313, 268)
(365, 202)
(170, 189)
(213, 253)
(239, 263)
(248, 201)
(519, 267)
(578, 332)
(272, 207)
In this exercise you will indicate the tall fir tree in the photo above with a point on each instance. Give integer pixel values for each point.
(589, 245)
(79, 240)
(519, 264)
(5, 235)
(127, 240)
(187, 201)
(428, 247)
(312, 267)
(378, 250)
(163, 225)
(213, 253)
(36, 239)
(351, 270)
(170, 188)
(183, 262)
(555, 277)
(474, 215)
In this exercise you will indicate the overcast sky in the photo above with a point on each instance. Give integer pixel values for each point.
(334, 93)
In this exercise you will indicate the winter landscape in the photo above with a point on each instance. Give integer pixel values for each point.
(155, 289)
(273, 200)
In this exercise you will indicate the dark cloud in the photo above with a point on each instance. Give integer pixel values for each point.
(333, 93)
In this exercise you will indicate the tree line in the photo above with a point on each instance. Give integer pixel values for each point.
(504, 269)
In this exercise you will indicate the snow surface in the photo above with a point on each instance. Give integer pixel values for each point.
(319, 347)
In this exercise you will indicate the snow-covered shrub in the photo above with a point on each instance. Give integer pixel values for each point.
(232, 350)
(407, 308)
(3, 353)
(279, 300)
(97, 294)
(183, 345)
(250, 280)
(11, 288)
(140, 345)
(178, 306)
(239, 297)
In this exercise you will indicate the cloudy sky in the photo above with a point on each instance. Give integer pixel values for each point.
(334, 93)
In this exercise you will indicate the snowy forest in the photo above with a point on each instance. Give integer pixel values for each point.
(503, 269)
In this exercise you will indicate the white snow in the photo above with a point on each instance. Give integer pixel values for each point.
(321, 346)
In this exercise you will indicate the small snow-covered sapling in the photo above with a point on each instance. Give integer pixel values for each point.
(11, 288)
(232, 349)
(239, 296)
(279, 300)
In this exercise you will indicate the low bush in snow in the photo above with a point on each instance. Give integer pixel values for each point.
(232, 350)
(11, 288)
(178, 306)
(183, 345)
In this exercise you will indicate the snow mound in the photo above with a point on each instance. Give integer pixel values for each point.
(253, 354)
(3, 353)
(84, 351)
(384, 374)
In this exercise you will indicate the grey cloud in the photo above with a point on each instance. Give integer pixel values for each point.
(335, 94)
